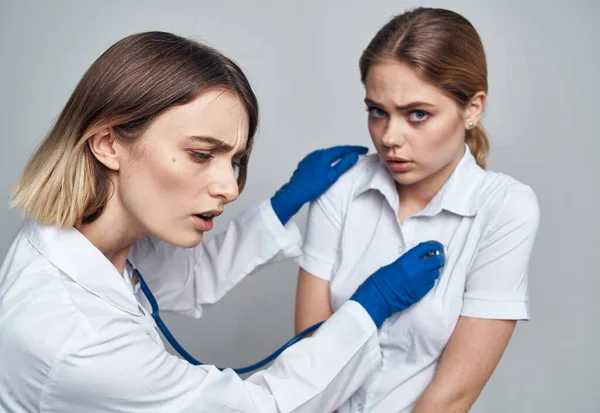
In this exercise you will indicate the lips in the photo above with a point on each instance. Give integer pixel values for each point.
(397, 164)
(209, 214)
(204, 221)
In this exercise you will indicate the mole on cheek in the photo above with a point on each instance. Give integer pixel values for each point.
(174, 159)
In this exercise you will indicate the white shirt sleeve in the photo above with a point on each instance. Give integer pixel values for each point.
(182, 280)
(323, 235)
(128, 372)
(497, 283)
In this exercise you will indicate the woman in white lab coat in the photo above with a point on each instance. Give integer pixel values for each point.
(141, 160)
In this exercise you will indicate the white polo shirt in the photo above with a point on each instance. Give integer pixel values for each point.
(74, 338)
(487, 222)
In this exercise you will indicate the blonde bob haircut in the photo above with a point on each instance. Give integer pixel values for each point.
(128, 86)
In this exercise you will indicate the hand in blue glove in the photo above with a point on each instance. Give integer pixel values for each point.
(314, 175)
(402, 283)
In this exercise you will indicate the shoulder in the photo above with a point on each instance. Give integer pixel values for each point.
(43, 311)
(504, 199)
(334, 203)
(345, 187)
(40, 323)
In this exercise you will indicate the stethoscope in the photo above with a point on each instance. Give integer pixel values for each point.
(171, 339)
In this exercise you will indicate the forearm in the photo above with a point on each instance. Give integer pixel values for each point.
(251, 241)
(466, 365)
(326, 370)
(439, 398)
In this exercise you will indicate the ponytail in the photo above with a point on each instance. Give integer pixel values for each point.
(478, 143)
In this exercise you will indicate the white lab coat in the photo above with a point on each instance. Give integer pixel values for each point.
(74, 338)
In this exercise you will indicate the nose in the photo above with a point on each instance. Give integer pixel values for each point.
(225, 186)
(393, 135)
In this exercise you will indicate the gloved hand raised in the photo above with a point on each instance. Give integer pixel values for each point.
(402, 283)
(313, 176)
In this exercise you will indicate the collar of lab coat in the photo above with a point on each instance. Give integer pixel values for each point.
(72, 253)
(458, 195)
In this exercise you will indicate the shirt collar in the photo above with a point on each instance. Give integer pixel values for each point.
(458, 195)
(376, 177)
(72, 253)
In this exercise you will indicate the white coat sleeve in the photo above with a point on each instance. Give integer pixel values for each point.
(134, 374)
(183, 279)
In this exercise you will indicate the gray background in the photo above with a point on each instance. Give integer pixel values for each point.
(301, 58)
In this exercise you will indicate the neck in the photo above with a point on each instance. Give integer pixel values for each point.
(415, 197)
(113, 233)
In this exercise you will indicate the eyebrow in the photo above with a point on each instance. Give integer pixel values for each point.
(217, 143)
(408, 106)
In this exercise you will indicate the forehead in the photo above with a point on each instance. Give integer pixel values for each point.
(216, 112)
(396, 81)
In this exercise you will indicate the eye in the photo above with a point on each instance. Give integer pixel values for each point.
(236, 168)
(418, 116)
(200, 156)
(375, 112)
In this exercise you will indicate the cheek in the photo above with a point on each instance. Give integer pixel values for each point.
(376, 132)
(160, 180)
(441, 135)
(166, 173)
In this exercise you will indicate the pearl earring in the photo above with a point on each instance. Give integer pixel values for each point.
(471, 125)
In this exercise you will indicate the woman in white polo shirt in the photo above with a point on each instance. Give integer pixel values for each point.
(425, 78)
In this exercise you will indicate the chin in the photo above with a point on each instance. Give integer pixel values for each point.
(191, 241)
(183, 239)
(406, 179)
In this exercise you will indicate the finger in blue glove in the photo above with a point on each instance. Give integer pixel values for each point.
(313, 176)
(399, 285)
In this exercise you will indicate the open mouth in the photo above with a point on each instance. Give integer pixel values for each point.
(206, 217)
(204, 220)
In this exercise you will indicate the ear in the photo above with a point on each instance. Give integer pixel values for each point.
(105, 148)
(474, 110)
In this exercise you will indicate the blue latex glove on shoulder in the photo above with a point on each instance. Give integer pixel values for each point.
(313, 176)
(399, 285)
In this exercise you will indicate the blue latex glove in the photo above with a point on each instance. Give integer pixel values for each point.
(402, 283)
(313, 176)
